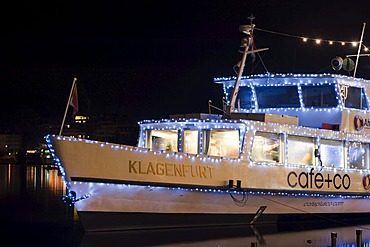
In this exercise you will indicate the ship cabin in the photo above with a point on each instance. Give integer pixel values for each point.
(314, 120)
(318, 100)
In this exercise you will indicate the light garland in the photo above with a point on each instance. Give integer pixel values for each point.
(226, 190)
(71, 198)
(298, 80)
(318, 40)
(247, 130)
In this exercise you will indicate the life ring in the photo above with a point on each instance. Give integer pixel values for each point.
(366, 181)
(358, 123)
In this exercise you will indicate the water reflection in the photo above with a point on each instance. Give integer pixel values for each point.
(18, 178)
(31, 207)
(32, 212)
(268, 235)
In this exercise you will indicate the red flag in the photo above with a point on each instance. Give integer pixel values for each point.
(74, 100)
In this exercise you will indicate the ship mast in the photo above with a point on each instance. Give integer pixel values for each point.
(246, 43)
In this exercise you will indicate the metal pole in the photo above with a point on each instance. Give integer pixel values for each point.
(359, 238)
(69, 99)
(234, 94)
(333, 239)
(359, 49)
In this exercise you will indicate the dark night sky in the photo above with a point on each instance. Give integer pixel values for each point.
(148, 59)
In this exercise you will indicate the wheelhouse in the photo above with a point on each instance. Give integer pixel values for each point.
(304, 96)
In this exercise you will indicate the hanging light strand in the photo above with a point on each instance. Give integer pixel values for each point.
(316, 40)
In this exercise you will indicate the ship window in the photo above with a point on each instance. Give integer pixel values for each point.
(191, 141)
(358, 155)
(277, 97)
(301, 150)
(331, 153)
(319, 96)
(222, 143)
(354, 97)
(244, 97)
(266, 147)
(162, 140)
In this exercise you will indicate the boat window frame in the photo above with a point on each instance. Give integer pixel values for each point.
(242, 97)
(345, 89)
(343, 152)
(297, 103)
(367, 158)
(206, 142)
(324, 98)
(183, 140)
(309, 156)
(149, 141)
(265, 153)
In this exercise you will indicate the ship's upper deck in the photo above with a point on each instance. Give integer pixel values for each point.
(318, 100)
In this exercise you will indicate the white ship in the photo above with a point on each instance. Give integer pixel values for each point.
(288, 147)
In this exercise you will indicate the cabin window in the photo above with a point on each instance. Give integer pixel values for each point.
(319, 96)
(162, 140)
(301, 150)
(221, 143)
(358, 155)
(266, 147)
(244, 97)
(191, 141)
(331, 153)
(277, 97)
(354, 97)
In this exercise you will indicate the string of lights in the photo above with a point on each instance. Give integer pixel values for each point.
(317, 40)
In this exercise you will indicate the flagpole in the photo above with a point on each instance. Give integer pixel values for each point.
(359, 48)
(69, 99)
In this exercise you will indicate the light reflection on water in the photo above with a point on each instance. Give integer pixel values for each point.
(32, 211)
(32, 178)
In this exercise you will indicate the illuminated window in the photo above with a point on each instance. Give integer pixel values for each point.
(301, 150)
(331, 153)
(358, 155)
(162, 140)
(191, 141)
(266, 147)
(81, 119)
(221, 143)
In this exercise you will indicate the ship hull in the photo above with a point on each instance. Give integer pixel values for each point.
(123, 221)
(117, 207)
(115, 187)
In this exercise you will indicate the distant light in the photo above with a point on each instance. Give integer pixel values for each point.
(318, 41)
(354, 43)
(304, 39)
(331, 42)
(366, 49)
(343, 43)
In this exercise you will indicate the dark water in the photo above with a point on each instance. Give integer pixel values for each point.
(32, 213)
